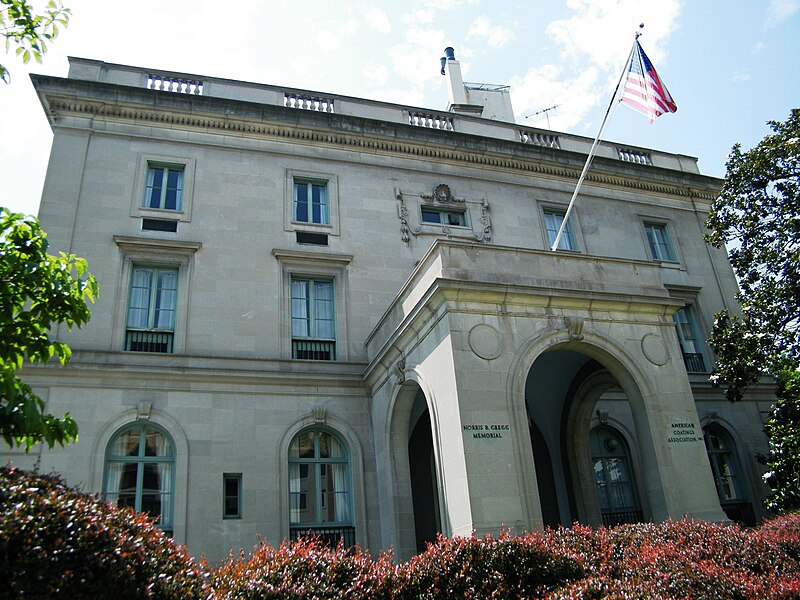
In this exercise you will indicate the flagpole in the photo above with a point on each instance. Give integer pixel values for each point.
(593, 149)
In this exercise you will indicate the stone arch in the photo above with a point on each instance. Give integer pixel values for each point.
(348, 434)
(398, 433)
(174, 429)
(621, 369)
(750, 513)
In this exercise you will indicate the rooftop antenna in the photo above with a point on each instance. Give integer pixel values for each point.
(546, 112)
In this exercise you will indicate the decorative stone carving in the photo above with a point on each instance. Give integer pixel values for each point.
(713, 416)
(143, 410)
(485, 341)
(654, 349)
(400, 370)
(320, 415)
(442, 194)
(480, 225)
(402, 212)
(486, 233)
(574, 327)
(602, 416)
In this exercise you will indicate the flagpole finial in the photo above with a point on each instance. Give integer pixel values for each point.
(638, 33)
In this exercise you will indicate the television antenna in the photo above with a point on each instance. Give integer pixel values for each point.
(546, 112)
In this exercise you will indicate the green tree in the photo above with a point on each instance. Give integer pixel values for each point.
(757, 216)
(37, 292)
(27, 31)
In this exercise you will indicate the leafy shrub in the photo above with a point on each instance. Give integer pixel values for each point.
(58, 542)
(688, 559)
(304, 569)
(504, 567)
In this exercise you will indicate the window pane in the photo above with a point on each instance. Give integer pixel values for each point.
(139, 482)
(319, 199)
(553, 223)
(155, 178)
(324, 309)
(156, 444)
(336, 449)
(660, 246)
(455, 219)
(333, 486)
(300, 308)
(172, 200)
(139, 308)
(612, 472)
(126, 443)
(301, 202)
(431, 216)
(166, 300)
(231, 506)
(302, 445)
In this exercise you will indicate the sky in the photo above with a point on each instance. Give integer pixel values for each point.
(730, 65)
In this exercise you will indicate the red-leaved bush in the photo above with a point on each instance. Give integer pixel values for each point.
(55, 541)
(58, 542)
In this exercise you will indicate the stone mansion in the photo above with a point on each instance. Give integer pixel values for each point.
(330, 314)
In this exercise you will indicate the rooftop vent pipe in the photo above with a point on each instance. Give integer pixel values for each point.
(449, 54)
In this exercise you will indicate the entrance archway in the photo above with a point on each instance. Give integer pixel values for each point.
(568, 392)
(418, 514)
(422, 468)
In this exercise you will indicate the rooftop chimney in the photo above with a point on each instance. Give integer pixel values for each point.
(480, 100)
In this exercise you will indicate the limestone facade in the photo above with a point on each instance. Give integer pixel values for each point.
(343, 316)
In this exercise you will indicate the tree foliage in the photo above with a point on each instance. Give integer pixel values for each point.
(37, 292)
(757, 215)
(27, 31)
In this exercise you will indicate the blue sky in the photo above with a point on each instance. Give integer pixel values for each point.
(730, 65)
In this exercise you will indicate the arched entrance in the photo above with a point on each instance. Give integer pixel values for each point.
(418, 488)
(422, 467)
(570, 399)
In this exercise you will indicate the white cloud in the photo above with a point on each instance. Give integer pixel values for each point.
(417, 57)
(548, 86)
(779, 11)
(496, 37)
(378, 20)
(603, 32)
(350, 27)
(327, 40)
(594, 43)
(420, 16)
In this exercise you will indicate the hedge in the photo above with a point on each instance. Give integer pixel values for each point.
(57, 541)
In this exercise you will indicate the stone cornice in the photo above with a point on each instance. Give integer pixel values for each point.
(198, 373)
(67, 98)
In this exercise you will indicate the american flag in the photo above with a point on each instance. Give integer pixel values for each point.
(644, 91)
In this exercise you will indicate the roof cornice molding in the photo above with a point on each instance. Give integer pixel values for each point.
(306, 128)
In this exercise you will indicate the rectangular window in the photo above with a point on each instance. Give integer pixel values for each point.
(659, 242)
(313, 322)
(151, 310)
(232, 496)
(454, 218)
(164, 188)
(691, 344)
(311, 202)
(553, 220)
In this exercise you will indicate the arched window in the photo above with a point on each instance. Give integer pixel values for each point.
(319, 487)
(140, 472)
(613, 477)
(725, 468)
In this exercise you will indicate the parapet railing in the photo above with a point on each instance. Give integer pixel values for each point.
(198, 85)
